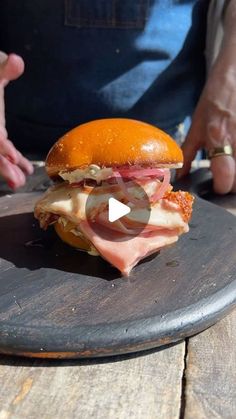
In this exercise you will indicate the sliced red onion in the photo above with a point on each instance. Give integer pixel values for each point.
(142, 203)
(138, 173)
(163, 187)
(165, 173)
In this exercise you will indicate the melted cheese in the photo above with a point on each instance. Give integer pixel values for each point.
(74, 205)
(91, 172)
(158, 216)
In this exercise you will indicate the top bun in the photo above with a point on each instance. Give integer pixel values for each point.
(113, 142)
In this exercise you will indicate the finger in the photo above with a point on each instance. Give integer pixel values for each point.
(25, 164)
(234, 185)
(233, 190)
(190, 148)
(7, 149)
(11, 173)
(223, 172)
(3, 58)
(12, 68)
(3, 131)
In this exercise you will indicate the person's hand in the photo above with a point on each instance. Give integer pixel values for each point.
(214, 120)
(214, 125)
(13, 166)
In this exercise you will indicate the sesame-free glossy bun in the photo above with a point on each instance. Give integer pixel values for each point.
(113, 142)
(70, 238)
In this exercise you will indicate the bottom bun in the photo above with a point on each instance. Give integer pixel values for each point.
(71, 239)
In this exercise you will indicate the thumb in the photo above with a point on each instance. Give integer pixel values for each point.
(11, 68)
(223, 172)
(190, 147)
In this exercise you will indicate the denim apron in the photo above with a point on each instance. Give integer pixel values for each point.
(88, 59)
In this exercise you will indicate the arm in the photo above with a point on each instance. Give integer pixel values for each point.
(214, 120)
(13, 166)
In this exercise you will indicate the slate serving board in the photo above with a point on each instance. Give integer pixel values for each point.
(60, 303)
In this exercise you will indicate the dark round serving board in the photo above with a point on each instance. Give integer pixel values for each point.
(58, 302)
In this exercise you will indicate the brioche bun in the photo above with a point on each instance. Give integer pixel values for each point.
(70, 238)
(113, 142)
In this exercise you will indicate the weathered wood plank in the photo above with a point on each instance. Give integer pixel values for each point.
(211, 372)
(210, 386)
(132, 387)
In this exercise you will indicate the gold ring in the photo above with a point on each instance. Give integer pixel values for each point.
(226, 150)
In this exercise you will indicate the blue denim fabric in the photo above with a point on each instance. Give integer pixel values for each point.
(107, 14)
(88, 59)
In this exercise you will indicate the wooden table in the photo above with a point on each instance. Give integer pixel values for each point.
(193, 379)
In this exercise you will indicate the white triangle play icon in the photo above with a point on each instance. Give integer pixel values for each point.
(116, 210)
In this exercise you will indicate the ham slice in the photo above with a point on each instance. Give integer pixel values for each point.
(117, 242)
(122, 251)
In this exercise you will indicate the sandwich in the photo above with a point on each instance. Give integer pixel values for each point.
(125, 159)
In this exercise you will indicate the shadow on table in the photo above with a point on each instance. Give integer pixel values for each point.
(15, 361)
(25, 245)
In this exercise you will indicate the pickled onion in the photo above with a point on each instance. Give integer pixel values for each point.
(138, 173)
(138, 202)
(163, 188)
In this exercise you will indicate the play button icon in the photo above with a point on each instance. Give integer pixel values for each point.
(113, 214)
(116, 210)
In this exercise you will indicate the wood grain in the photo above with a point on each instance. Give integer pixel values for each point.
(129, 387)
(211, 372)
